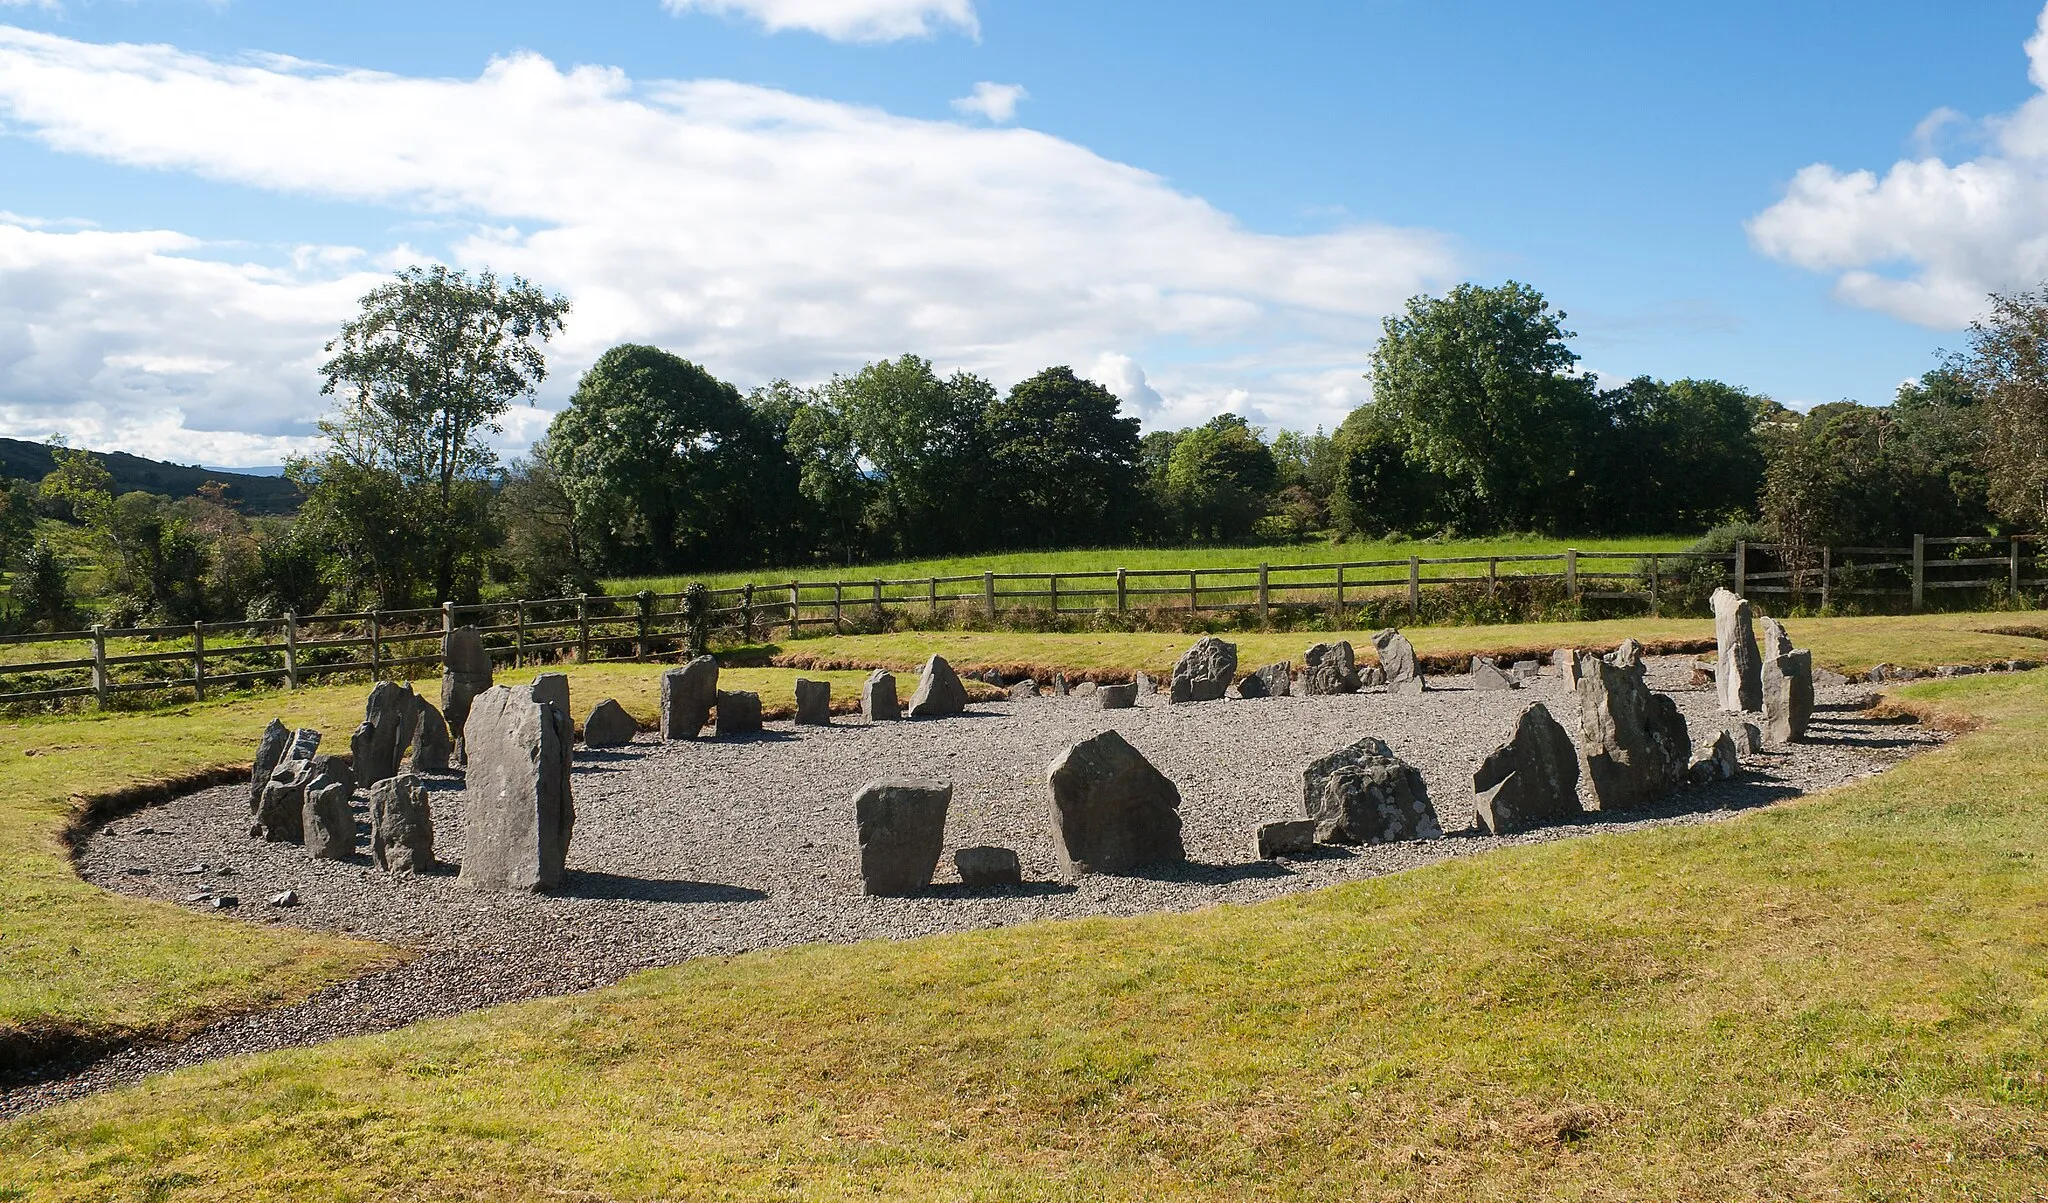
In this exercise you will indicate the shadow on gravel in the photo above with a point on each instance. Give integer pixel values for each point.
(588, 883)
(1029, 889)
(1199, 873)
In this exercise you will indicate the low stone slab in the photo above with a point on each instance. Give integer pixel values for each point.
(1111, 810)
(1487, 675)
(329, 820)
(738, 713)
(281, 812)
(688, 695)
(1205, 671)
(609, 726)
(1085, 689)
(517, 812)
(902, 826)
(1024, 691)
(1530, 780)
(1363, 794)
(939, 691)
(878, 698)
(1288, 837)
(1329, 668)
(401, 825)
(813, 703)
(1272, 681)
(982, 866)
(1117, 697)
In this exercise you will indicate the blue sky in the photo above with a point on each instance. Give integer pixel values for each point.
(1205, 205)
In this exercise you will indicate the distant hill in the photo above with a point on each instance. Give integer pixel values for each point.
(254, 494)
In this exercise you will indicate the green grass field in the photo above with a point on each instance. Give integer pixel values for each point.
(1842, 998)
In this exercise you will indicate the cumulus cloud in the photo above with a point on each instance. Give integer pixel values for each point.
(1927, 240)
(758, 232)
(996, 102)
(846, 20)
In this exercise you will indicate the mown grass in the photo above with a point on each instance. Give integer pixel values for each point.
(1135, 558)
(74, 958)
(1841, 998)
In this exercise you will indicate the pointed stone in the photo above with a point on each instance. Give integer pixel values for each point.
(1487, 675)
(939, 691)
(1633, 744)
(609, 726)
(1530, 780)
(517, 813)
(270, 750)
(1204, 672)
(1111, 810)
(1738, 670)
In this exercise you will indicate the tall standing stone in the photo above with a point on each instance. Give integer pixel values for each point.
(401, 826)
(376, 745)
(1328, 668)
(1204, 671)
(465, 673)
(1402, 671)
(878, 697)
(329, 821)
(939, 691)
(902, 827)
(1788, 696)
(1738, 671)
(813, 703)
(1633, 744)
(1531, 779)
(1567, 661)
(1777, 642)
(1363, 794)
(432, 747)
(552, 688)
(270, 749)
(687, 697)
(1111, 810)
(517, 813)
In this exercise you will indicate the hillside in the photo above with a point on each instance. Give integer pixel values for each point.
(24, 460)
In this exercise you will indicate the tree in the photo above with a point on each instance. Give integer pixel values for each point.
(1219, 477)
(919, 442)
(80, 486)
(422, 375)
(1378, 488)
(17, 517)
(1856, 475)
(1478, 384)
(1672, 456)
(1066, 462)
(544, 547)
(42, 588)
(2006, 368)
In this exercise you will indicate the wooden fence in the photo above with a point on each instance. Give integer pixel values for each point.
(103, 663)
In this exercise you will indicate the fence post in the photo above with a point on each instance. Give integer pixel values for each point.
(1741, 567)
(2013, 553)
(99, 666)
(747, 612)
(1194, 593)
(878, 603)
(988, 593)
(838, 607)
(1340, 588)
(199, 661)
(796, 609)
(376, 646)
(519, 635)
(291, 649)
(1919, 571)
(1656, 575)
(931, 594)
(1571, 573)
(1123, 596)
(646, 600)
(447, 624)
(1492, 577)
(1827, 575)
(1414, 587)
(1264, 593)
(583, 628)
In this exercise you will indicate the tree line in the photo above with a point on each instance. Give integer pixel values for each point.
(1480, 423)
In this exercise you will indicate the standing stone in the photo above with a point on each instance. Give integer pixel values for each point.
(401, 825)
(1748, 737)
(1272, 681)
(1059, 684)
(687, 696)
(1328, 668)
(609, 726)
(878, 697)
(1788, 696)
(305, 744)
(553, 688)
(1205, 670)
(375, 747)
(1397, 661)
(1024, 691)
(1364, 795)
(465, 673)
(1117, 697)
(902, 831)
(1567, 661)
(739, 713)
(982, 867)
(1776, 643)
(1633, 743)
(328, 819)
(1085, 689)
(270, 750)
(1288, 837)
(1146, 685)
(517, 812)
(939, 691)
(1628, 655)
(1111, 810)
(1488, 676)
(1721, 763)
(281, 814)
(1533, 778)
(1738, 671)
(813, 703)
(432, 747)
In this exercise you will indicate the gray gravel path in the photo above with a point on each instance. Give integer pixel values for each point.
(684, 850)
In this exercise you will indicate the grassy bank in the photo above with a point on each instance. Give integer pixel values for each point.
(1842, 998)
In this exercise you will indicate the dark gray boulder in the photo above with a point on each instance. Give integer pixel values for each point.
(432, 747)
(1633, 744)
(553, 688)
(1272, 681)
(878, 697)
(281, 812)
(1487, 675)
(1024, 691)
(1204, 672)
(1117, 697)
(939, 691)
(609, 726)
(687, 697)
(982, 867)
(401, 825)
(1530, 780)
(329, 819)
(1788, 697)
(1329, 668)
(902, 826)
(1721, 763)
(1738, 670)
(1399, 668)
(813, 703)
(465, 673)
(1288, 837)
(517, 813)
(375, 747)
(271, 746)
(1111, 810)
(1363, 794)
(738, 713)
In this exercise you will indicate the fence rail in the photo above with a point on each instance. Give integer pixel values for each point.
(296, 649)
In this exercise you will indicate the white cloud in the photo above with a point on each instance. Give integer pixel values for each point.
(1927, 240)
(996, 102)
(758, 232)
(846, 20)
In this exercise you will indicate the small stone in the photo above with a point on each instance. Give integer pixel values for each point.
(1024, 691)
(284, 898)
(878, 697)
(1117, 697)
(902, 828)
(1146, 685)
(1487, 676)
(1398, 664)
(192, 870)
(739, 713)
(609, 726)
(982, 866)
(199, 896)
(1272, 681)
(224, 902)
(1288, 837)
(136, 871)
(1566, 661)
(813, 703)
(939, 691)
(1748, 737)
(1085, 689)
(1628, 655)
(1721, 763)
(1059, 684)
(1528, 670)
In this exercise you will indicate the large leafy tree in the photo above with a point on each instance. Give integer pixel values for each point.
(1682, 455)
(1219, 477)
(1065, 460)
(420, 378)
(2006, 371)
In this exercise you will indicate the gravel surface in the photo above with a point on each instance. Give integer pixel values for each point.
(702, 848)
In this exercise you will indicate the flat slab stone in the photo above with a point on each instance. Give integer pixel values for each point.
(981, 867)
(688, 695)
(1117, 697)
(1738, 670)
(1111, 810)
(609, 725)
(401, 825)
(738, 713)
(1288, 837)
(813, 703)
(902, 828)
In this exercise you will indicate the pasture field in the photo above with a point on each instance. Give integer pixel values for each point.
(1838, 998)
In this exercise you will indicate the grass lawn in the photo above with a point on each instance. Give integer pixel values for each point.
(1841, 998)
(1845, 644)
(1106, 558)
